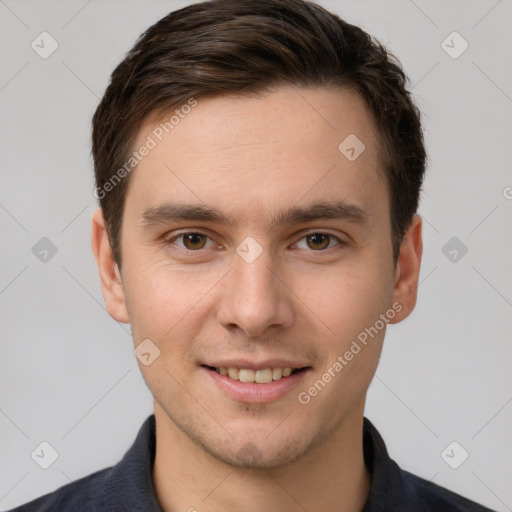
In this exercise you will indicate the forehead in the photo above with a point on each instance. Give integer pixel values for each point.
(259, 151)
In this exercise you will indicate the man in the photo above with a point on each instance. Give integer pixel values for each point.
(258, 166)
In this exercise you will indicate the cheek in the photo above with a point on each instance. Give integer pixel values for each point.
(163, 299)
(345, 300)
(351, 306)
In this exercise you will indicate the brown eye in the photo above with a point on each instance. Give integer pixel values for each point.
(318, 241)
(193, 241)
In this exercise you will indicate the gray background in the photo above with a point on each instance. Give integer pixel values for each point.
(67, 371)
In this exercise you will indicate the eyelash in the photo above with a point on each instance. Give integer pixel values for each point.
(170, 241)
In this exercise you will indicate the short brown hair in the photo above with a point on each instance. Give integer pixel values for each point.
(249, 46)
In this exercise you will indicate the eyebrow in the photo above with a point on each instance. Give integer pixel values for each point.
(175, 212)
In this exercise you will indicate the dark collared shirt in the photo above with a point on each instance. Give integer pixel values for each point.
(128, 486)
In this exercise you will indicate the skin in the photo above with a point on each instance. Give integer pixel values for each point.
(253, 157)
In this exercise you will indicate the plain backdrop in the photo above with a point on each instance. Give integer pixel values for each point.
(68, 375)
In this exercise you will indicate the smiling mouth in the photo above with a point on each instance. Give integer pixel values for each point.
(263, 376)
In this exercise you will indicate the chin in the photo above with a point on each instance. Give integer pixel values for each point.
(254, 455)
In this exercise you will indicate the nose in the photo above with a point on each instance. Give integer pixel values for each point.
(255, 298)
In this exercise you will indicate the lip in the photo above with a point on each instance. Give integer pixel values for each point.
(252, 392)
(257, 365)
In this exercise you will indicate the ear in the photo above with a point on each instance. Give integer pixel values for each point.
(408, 270)
(110, 277)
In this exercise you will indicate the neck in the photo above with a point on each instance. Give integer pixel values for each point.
(331, 476)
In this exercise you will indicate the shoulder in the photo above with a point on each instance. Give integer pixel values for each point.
(72, 497)
(393, 488)
(433, 497)
(126, 486)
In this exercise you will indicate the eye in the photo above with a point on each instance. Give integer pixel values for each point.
(191, 241)
(319, 241)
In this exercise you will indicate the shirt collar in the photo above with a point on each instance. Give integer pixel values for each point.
(388, 489)
(129, 485)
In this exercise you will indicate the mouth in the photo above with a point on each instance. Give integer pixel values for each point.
(259, 376)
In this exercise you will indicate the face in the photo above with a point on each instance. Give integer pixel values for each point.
(251, 240)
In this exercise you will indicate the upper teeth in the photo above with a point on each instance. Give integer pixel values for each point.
(260, 376)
